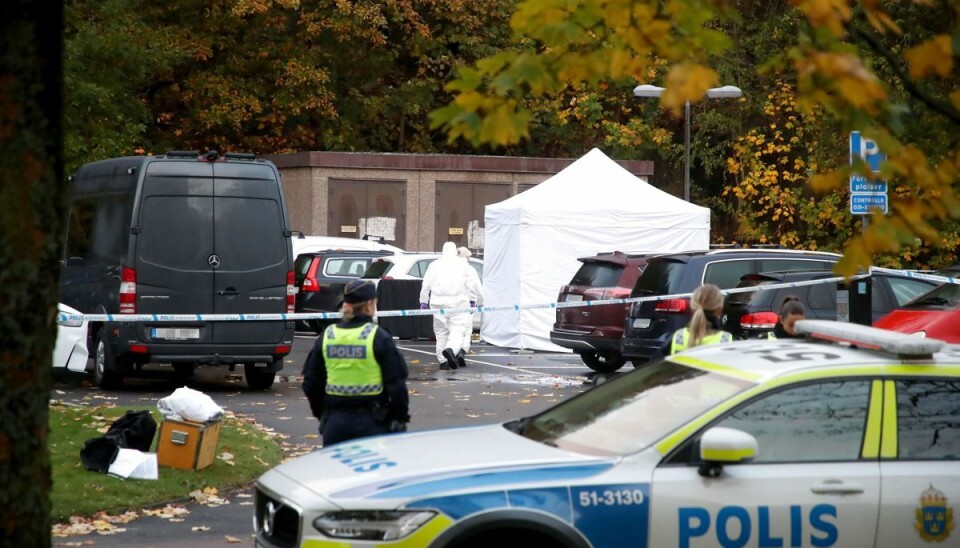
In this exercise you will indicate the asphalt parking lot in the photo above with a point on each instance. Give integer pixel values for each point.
(497, 385)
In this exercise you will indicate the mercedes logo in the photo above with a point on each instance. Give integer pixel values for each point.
(213, 260)
(270, 514)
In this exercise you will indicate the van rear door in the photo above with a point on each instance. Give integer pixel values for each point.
(253, 253)
(175, 239)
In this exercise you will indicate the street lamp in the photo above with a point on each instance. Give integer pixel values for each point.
(725, 92)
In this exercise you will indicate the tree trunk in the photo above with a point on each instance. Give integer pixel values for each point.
(31, 220)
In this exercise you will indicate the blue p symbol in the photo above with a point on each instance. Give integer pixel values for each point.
(687, 529)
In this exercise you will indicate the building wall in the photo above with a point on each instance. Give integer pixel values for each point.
(307, 180)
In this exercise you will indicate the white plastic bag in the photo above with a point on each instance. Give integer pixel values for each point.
(187, 404)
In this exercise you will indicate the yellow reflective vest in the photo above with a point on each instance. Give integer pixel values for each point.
(681, 339)
(352, 369)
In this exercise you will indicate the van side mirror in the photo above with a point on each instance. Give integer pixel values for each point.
(719, 446)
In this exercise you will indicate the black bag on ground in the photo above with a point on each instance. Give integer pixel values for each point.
(134, 430)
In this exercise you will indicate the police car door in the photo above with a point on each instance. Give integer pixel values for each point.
(812, 483)
(920, 463)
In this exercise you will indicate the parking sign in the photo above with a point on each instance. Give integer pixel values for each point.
(866, 194)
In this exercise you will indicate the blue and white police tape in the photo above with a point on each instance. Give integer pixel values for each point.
(153, 318)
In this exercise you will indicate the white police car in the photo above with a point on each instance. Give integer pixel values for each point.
(755, 443)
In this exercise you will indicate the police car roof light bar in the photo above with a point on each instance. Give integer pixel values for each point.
(899, 344)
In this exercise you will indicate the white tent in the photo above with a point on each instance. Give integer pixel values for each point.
(533, 240)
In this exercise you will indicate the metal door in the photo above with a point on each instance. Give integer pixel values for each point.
(459, 212)
(374, 208)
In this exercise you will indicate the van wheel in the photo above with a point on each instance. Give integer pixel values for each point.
(259, 378)
(602, 362)
(105, 374)
(184, 370)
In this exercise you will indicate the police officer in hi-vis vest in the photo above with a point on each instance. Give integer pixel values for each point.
(355, 378)
(704, 326)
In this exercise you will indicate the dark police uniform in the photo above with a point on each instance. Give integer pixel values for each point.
(355, 381)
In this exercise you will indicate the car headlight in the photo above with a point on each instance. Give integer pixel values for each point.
(372, 524)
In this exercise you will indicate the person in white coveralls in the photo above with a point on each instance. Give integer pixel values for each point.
(450, 282)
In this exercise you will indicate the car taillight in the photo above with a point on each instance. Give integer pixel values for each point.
(291, 293)
(128, 291)
(673, 306)
(758, 320)
(310, 283)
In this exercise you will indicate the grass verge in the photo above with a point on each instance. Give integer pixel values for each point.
(79, 492)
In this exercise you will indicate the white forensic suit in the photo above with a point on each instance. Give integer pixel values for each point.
(450, 283)
(476, 296)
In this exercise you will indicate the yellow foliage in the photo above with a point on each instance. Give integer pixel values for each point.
(829, 14)
(935, 56)
(687, 82)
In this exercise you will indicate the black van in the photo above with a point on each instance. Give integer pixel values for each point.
(181, 233)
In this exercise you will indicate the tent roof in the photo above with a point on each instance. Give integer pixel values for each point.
(596, 183)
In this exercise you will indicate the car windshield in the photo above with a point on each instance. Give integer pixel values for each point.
(947, 295)
(631, 412)
(377, 269)
(593, 274)
(744, 298)
(659, 278)
(302, 266)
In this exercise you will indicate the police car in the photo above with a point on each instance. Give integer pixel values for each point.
(850, 438)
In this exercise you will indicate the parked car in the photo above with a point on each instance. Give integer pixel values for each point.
(70, 351)
(181, 234)
(408, 265)
(650, 324)
(320, 277)
(847, 440)
(302, 243)
(752, 315)
(935, 314)
(412, 266)
(594, 332)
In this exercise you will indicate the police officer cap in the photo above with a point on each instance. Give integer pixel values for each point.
(359, 291)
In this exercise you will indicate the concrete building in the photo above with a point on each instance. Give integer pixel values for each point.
(414, 201)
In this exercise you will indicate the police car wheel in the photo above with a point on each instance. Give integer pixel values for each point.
(602, 362)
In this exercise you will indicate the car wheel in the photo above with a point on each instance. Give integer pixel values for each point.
(259, 378)
(602, 362)
(105, 374)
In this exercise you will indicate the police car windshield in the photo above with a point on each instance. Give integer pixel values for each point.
(633, 411)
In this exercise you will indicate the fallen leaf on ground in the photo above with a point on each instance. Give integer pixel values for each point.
(199, 528)
(414, 362)
(524, 401)
(231, 540)
(311, 436)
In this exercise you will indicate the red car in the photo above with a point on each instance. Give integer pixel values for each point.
(935, 314)
(594, 332)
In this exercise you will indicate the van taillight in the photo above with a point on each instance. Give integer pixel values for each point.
(673, 306)
(310, 283)
(758, 320)
(291, 292)
(128, 290)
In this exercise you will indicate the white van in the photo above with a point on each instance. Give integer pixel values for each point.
(308, 244)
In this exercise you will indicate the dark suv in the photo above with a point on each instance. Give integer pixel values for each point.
(321, 276)
(594, 331)
(650, 324)
(754, 314)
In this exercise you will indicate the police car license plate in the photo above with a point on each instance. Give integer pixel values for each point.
(176, 333)
(641, 323)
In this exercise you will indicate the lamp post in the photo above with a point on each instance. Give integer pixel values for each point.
(724, 92)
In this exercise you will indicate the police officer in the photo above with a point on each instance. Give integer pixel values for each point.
(704, 326)
(791, 312)
(355, 378)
